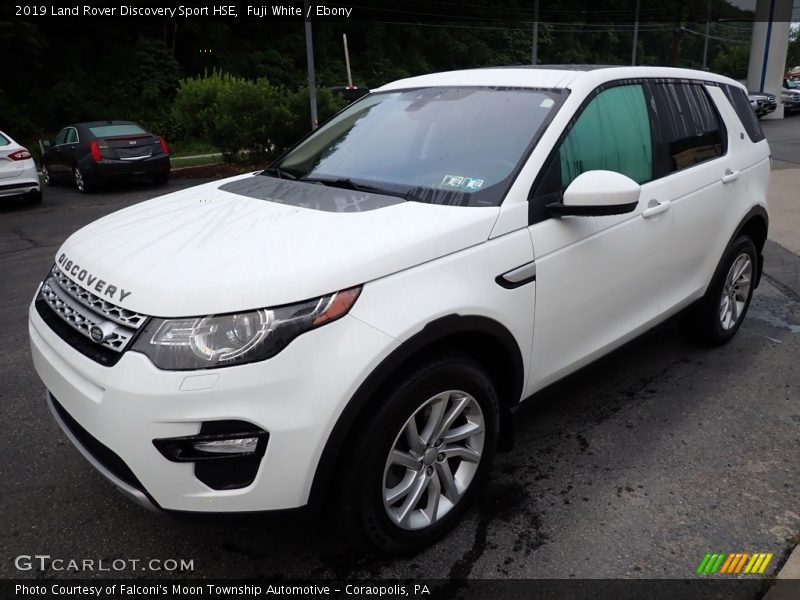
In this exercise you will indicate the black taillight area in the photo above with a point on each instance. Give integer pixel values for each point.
(226, 454)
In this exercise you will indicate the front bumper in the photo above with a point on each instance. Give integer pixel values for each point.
(296, 396)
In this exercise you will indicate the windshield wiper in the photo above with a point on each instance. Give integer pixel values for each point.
(348, 184)
(280, 173)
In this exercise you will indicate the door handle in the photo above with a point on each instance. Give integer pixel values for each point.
(730, 176)
(656, 207)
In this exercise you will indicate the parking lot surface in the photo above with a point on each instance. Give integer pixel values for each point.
(634, 467)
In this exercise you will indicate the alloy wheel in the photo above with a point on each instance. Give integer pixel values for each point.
(736, 291)
(79, 182)
(433, 460)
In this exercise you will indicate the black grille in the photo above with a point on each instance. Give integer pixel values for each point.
(104, 455)
(77, 340)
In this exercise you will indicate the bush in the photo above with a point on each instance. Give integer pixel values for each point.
(248, 120)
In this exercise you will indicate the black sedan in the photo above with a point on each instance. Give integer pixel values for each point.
(90, 153)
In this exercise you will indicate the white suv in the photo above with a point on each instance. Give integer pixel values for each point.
(361, 320)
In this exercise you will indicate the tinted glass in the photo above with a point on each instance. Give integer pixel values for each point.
(62, 136)
(103, 131)
(611, 134)
(443, 145)
(689, 130)
(4, 141)
(741, 104)
(72, 136)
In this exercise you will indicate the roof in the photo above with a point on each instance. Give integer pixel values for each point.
(549, 76)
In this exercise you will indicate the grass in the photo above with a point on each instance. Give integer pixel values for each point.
(178, 162)
(191, 147)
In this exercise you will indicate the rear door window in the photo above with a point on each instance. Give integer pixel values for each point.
(62, 136)
(688, 129)
(741, 104)
(72, 136)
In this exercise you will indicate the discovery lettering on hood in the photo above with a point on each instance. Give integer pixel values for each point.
(92, 282)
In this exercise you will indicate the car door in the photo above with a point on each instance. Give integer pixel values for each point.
(693, 173)
(597, 278)
(71, 149)
(54, 159)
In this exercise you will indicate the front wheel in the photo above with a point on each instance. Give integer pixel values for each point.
(46, 177)
(720, 313)
(419, 460)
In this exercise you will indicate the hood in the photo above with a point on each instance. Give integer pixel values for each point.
(254, 242)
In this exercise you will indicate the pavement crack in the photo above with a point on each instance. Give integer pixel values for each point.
(782, 287)
(25, 238)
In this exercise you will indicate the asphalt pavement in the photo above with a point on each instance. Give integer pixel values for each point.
(635, 467)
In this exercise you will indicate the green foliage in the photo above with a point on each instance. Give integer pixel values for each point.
(793, 55)
(157, 73)
(247, 119)
(732, 63)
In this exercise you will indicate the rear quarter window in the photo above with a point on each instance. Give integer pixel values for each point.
(4, 141)
(741, 104)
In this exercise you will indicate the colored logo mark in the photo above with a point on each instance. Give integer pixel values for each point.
(737, 562)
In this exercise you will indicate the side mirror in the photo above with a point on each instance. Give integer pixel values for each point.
(46, 143)
(598, 194)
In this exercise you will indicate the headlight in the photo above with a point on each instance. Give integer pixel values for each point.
(237, 338)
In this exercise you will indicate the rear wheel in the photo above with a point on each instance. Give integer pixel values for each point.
(720, 313)
(80, 180)
(418, 462)
(160, 178)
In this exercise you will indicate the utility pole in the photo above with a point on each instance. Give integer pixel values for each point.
(675, 48)
(534, 48)
(312, 83)
(347, 62)
(635, 35)
(705, 41)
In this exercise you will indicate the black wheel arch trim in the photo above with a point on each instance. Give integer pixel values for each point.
(439, 329)
(758, 211)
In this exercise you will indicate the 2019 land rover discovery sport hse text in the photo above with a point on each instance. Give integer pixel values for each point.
(369, 311)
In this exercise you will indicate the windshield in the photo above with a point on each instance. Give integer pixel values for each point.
(793, 84)
(440, 145)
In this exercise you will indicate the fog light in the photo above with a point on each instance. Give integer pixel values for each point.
(241, 446)
(217, 440)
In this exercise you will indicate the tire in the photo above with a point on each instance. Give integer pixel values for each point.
(34, 197)
(160, 179)
(375, 503)
(48, 180)
(81, 183)
(719, 314)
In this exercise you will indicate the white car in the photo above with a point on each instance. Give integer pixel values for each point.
(358, 323)
(18, 175)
